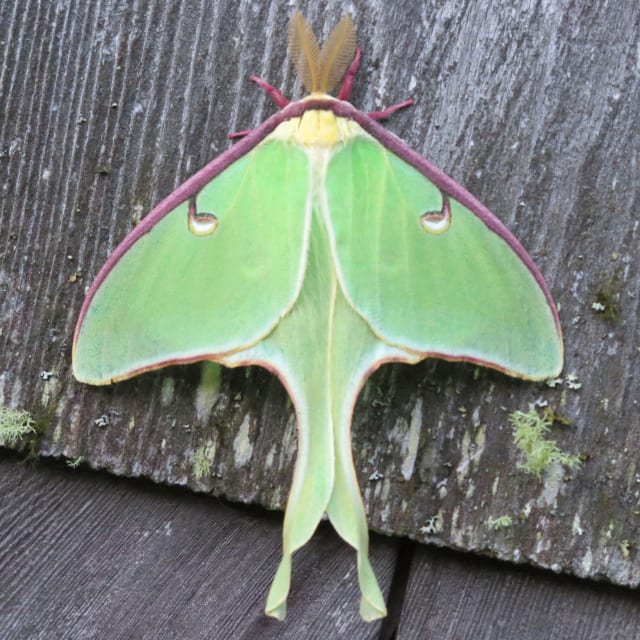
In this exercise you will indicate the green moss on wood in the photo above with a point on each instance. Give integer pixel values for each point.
(529, 431)
(203, 460)
(502, 522)
(74, 463)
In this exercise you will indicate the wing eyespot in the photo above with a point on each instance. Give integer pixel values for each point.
(201, 223)
(437, 222)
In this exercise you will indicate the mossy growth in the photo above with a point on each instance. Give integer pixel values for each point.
(15, 424)
(74, 463)
(203, 460)
(502, 522)
(529, 431)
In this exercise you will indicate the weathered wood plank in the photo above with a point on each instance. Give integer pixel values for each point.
(452, 595)
(86, 556)
(109, 105)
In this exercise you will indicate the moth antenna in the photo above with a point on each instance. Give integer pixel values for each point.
(337, 53)
(305, 52)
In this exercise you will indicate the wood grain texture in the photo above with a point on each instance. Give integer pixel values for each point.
(458, 596)
(87, 556)
(108, 106)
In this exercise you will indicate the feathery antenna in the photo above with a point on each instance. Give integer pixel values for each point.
(337, 53)
(304, 51)
(321, 69)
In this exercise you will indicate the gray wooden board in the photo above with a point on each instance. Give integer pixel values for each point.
(107, 106)
(458, 596)
(86, 556)
(83, 555)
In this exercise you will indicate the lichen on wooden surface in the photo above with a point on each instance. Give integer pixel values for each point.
(108, 106)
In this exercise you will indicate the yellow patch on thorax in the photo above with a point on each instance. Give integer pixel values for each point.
(317, 128)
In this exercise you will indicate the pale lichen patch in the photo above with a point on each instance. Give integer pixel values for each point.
(167, 391)
(434, 525)
(50, 388)
(411, 441)
(15, 424)
(471, 451)
(576, 528)
(554, 478)
(271, 454)
(587, 562)
(207, 390)
(456, 532)
(242, 445)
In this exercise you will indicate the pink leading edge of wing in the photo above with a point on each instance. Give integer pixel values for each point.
(345, 110)
(450, 187)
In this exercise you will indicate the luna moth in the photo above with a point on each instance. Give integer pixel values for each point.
(319, 246)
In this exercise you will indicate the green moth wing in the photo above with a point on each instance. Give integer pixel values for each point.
(430, 274)
(210, 275)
